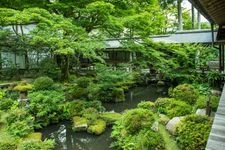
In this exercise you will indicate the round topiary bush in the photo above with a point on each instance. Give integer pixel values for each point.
(184, 92)
(172, 107)
(43, 83)
(146, 105)
(137, 119)
(193, 132)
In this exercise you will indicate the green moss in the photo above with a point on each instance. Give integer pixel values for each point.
(98, 127)
(34, 136)
(23, 87)
(110, 117)
(79, 123)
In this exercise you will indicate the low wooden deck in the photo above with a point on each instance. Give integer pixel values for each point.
(216, 139)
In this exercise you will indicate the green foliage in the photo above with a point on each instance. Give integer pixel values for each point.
(76, 107)
(6, 104)
(91, 114)
(45, 106)
(133, 131)
(146, 105)
(112, 83)
(193, 132)
(23, 87)
(2, 94)
(36, 145)
(8, 145)
(97, 127)
(137, 119)
(83, 82)
(49, 68)
(184, 92)
(20, 129)
(19, 122)
(172, 107)
(43, 83)
(202, 102)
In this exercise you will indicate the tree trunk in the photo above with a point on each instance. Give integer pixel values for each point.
(65, 68)
(26, 60)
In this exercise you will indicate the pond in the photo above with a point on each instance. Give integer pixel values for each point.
(66, 139)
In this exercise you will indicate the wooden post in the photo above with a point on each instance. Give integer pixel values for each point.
(193, 16)
(222, 49)
(208, 108)
(180, 20)
(220, 58)
(199, 20)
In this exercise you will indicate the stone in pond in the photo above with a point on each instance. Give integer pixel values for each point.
(172, 124)
(79, 124)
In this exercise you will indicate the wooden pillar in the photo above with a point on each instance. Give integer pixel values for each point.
(199, 20)
(220, 58)
(193, 16)
(222, 49)
(180, 19)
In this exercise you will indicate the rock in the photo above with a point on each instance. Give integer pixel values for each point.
(160, 83)
(216, 92)
(98, 127)
(163, 119)
(172, 124)
(79, 124)
(155, 126)
(201, 112)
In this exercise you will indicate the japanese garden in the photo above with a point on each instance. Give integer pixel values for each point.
(96, 75)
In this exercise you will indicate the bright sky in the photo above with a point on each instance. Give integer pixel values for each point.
(187, 4)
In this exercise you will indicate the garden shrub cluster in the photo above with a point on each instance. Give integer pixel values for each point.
(43, 83)
(45, 107)
(19, 123)
(185, 92)
(193, 132)
(133, 131)
(172, 107)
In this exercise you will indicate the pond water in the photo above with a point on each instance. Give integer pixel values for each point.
(66, 139)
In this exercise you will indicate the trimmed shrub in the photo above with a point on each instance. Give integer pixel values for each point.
(136, 119)
(193, 132)
(184, 92)
(172, 107)
(147, 105)
(43, 83)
